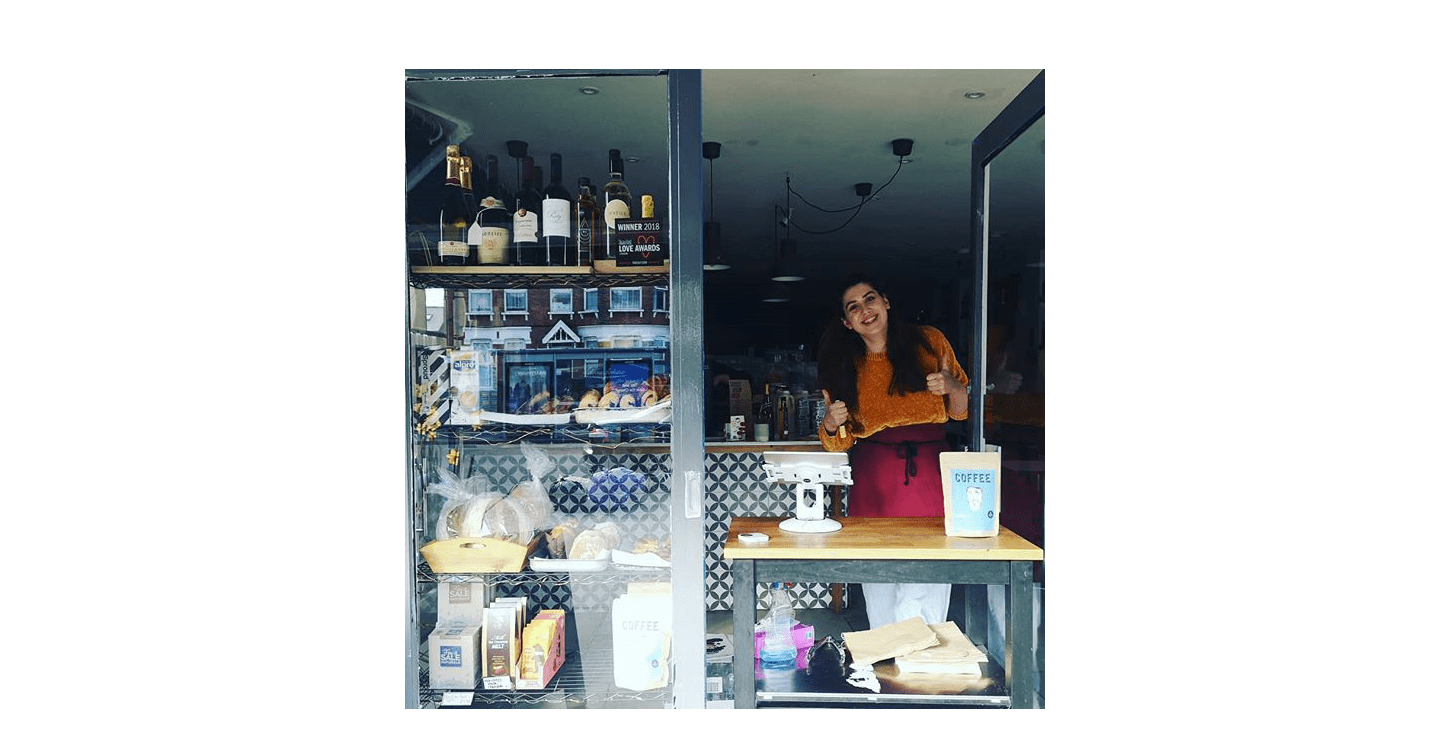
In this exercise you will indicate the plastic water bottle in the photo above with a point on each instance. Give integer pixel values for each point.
(778, 649)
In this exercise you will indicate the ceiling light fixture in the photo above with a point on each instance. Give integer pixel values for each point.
(787, 268)
(589, 90)
(976, 95)
(714, 247)
(776, 293)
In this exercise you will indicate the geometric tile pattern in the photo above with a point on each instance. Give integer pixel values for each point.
(735, 486)
(632, 491)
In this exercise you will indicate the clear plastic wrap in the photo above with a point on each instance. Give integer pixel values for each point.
(465, 506)
(532, 496)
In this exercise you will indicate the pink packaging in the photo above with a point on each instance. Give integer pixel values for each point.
(802, 634)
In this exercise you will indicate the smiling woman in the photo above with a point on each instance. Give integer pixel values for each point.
(891, 386)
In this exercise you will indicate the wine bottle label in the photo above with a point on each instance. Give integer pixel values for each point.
(526, 226)
(493, 244)
(615, 209)
(585, 232)
(453, 251)
(556, 217)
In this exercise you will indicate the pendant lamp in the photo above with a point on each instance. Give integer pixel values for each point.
(775, 293)
(786, 269)
(787, 265)
(714, 247)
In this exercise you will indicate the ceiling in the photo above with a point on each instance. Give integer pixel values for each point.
(824, 130)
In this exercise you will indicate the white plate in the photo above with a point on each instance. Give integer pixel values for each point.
(639, 560)
(539, 564)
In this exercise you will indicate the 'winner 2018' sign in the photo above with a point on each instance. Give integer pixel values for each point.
(640, 242)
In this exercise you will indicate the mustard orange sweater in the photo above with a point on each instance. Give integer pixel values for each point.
(876, 409)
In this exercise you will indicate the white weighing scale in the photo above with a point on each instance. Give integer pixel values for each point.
(811, 472)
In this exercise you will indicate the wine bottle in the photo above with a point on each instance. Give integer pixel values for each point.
(454, 214)
(766, 417)
(586, 219)
(556, 220)
(492, 225)
(616, 200)
(528, 203)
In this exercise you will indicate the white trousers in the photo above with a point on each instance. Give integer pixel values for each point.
(888, 603)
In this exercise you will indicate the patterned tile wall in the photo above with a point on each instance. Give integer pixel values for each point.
(735, 485)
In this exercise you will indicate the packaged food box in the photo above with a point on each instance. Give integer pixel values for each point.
(542, 652)
(461, 604)
(465, 388)
(453, 658)
(500, 650)
(432, 405)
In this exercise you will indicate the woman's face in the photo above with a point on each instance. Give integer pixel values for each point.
(864, 310)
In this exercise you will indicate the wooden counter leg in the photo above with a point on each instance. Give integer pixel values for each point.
(742, 621)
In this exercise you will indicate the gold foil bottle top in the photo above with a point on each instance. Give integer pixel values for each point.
(454, 166)
(465, 173)
(647, 206)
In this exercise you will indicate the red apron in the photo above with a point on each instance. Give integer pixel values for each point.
(897, 473)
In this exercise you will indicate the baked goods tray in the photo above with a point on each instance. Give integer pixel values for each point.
(544, 564)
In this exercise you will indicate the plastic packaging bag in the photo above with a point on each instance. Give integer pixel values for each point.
(614, 489)
(532, 496)
(465, 505)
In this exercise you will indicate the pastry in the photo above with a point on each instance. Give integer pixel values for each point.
(590, 399)
(610, 532)
(561, 537)
(588, 545)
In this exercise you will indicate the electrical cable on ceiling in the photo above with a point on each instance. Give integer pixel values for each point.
(790, 222)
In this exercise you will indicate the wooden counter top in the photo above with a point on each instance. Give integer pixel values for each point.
(875, 538)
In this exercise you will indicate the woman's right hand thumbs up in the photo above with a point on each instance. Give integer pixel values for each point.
(836, 414)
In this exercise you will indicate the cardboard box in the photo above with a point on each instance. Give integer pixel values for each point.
(740, 401)
(461, 604)
(453, 658)
(432, 405)
(804, 637)
(465, 387)
(535, 673)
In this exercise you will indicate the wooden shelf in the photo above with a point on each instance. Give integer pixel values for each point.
(604, 273)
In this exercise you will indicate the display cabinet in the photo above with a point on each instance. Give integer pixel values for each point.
(554, 411)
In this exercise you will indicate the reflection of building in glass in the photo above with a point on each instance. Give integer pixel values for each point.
(545, 350)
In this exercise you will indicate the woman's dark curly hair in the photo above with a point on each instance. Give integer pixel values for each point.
(841, 348)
